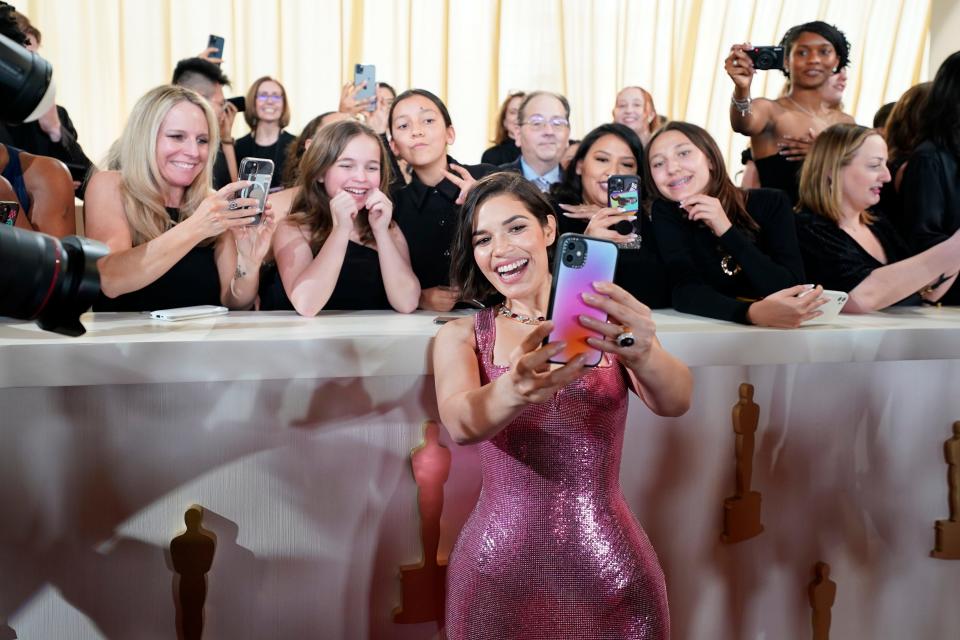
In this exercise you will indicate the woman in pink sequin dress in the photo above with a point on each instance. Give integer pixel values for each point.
(551, 550)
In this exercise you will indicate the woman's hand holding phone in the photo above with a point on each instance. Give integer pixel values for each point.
(625, 314)
(787, 308)
(708, 210)
(530, 379)
(602, 221)
(221, 211)
(253, 241)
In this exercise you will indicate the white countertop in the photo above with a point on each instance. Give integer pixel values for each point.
(123, 348)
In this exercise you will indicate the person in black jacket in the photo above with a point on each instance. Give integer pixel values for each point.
(505, 147)
(428, 208)
(930, 189)
(731, 254)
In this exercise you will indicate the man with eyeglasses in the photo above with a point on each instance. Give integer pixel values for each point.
(544, 120)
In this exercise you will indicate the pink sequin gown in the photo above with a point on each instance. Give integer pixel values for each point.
(551, 549)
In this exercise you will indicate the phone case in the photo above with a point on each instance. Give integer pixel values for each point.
(368, 73)
(8, 212)
(188, 313)
(830, 310)
(624, 193)
(260, 172)
(216, 42)
(574, 275)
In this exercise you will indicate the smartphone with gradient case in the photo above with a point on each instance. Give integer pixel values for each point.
(579, 262)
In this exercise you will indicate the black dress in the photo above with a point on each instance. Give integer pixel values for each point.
(837, 261)
(639, 270)
(246, 147)
(696, 259)
(193, 280)
(359, 286)
(428, 217)
(776, 172)
(506, 151)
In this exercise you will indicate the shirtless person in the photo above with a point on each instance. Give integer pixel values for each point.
(782, 130)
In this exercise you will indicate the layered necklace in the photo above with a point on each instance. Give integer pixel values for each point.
(506, 312)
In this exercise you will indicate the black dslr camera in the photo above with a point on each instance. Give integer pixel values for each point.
(765, 58)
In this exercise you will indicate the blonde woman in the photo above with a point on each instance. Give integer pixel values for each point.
(166, 229)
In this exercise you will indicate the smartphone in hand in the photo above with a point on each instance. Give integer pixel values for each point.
(366, 73)
(259, 171)
(216, 42)
(623, 192)
(579, 262)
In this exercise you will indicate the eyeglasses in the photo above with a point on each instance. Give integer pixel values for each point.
(269, 97)
(539, 122)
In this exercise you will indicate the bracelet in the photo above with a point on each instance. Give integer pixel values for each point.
(227, 141)
(743, 106)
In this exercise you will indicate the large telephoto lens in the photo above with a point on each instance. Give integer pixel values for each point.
(48, 280)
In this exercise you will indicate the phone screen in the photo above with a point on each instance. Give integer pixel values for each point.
(8, 212)
(623, 192)
(260, 172)
(366, 73)
(579, 262)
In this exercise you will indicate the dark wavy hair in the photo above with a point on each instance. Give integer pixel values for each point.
(941, 112)
(464, 272)
(732, 198)
(570, 188)
(833, 35)
(904, 125)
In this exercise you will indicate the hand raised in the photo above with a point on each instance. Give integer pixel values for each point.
(343, 210)
(625, 314)
(530, 378)
(708, 210)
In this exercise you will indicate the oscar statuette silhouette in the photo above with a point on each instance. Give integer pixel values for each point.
(423, 584)
(822, 592)
(947, 543)
(192, 555)
(741, 512)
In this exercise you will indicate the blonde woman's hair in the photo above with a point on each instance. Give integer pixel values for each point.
(821, 188)
(135, 155)
(311, 207)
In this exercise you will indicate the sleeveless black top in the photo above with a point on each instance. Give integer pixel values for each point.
(359, 286)
(776, 172)
(193, 280)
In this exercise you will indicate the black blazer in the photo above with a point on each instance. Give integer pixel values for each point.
(930, 192)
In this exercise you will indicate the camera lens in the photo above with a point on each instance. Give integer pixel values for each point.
(568, 258)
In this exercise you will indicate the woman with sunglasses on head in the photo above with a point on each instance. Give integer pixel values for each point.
(583, 206)
(551, 549)
(428, 208)
(731, 254)
(339, 248)
(267, 113)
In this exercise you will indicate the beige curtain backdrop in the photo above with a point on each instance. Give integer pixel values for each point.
(106, 53)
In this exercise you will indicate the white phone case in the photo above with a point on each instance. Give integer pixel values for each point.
(188, 313)
(830, 310)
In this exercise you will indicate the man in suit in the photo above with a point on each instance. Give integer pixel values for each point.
(544, 120)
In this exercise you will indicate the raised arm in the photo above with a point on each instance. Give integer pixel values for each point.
(747, 116)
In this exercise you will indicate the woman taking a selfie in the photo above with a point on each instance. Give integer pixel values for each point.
(173, 242)
(428, 207)
(551, 549)
(339, 247)
(731, 254)
(846, 247)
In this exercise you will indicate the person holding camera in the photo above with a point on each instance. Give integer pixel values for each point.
(782, 130)
(173, 242)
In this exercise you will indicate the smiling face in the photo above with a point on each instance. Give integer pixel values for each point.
(510, 121)
(510, 246)
(418, 133)
(678, 167)
(862, 179)
(608, 156)
(632, 109)
(812, 60)
(540, 140)
(356, 170)
(269, 101)
(183, 143)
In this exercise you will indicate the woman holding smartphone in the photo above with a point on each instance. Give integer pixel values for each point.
(267, 113)
(731, 254)
(339, 247)
(428, 207)
(551, 549)
(582, 202)
(848, 248)
(173, 241)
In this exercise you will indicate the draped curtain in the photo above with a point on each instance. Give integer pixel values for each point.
(107, 53)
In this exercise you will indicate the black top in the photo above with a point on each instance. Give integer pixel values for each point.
(693, 255)
(13, 173)
(193, 280)
(359, 286)
(221, 172)
(640, 271)
(931, 196)
(246, 147)
(428, 217)
(32, 139)
(891, 200)
(776, 172)
(506, 151)
(837, 261)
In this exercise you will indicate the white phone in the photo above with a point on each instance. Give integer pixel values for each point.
(831, 309)
(189, 313)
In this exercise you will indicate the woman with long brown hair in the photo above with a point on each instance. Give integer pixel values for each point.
(505, 147)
